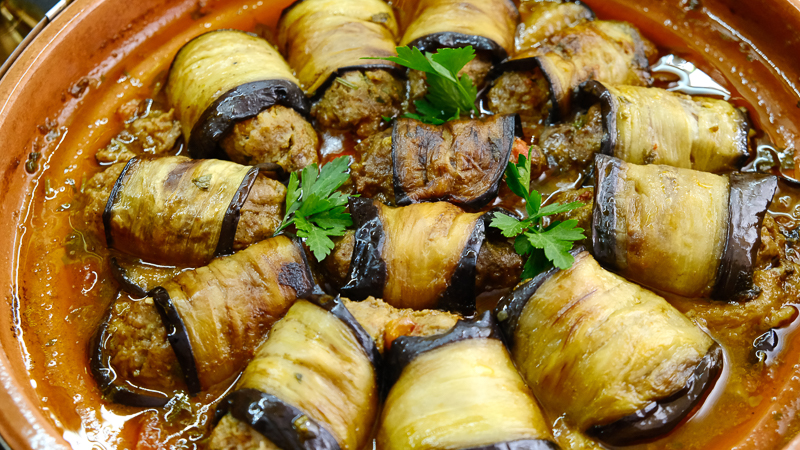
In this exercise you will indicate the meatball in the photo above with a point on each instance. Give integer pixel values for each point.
(525, 93)
(95, 196)
(336, 267)
(153, 134)
(372, 171)
(261, 213)
(573, 143)
(233, 434)
(277, 135)
(358, 101)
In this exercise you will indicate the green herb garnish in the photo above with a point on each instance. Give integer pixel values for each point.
(543, 246)
(314, 206)
(448, 95)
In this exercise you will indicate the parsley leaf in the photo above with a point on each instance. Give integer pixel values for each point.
(543, 246)
(314, 206)
(449, 95)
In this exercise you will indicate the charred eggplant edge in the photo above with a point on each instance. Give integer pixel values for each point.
(275, 420)
(662, 416)
(748, 201)
(512, 127)
(604, 210)
(451, 39)
(336, 307)
(112, 199)
(367, 268)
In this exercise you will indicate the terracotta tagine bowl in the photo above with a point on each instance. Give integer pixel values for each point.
(58, 81)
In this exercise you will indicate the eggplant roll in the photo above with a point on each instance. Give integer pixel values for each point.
(421, 256)
(540, 19)
(539, 83)
(613, 358)
(223, 77)
(655, 126)
(180, 211)
(486, 25)
(682, 231)
(459, 390)
(313, 384)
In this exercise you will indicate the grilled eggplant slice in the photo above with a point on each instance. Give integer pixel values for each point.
(179, 211)
(421, 256)
(541, 19)
(223, 77)
(459, 390)
(313, 384)
(216, 316)
(613, 358)
(612, 52)
(655, 126)
(682, 231)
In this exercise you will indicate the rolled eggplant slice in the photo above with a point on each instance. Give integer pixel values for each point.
(180, 211)
(421, 256)
(682, 231)
(538, 83)
(313, 384)
(541, 19)
(459, 390)
(223, 77)
(213, 317)
(613, 358)
(655, 126)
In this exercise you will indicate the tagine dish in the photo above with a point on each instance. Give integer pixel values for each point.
(426, 224)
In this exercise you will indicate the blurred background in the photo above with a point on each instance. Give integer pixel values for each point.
(17, 19)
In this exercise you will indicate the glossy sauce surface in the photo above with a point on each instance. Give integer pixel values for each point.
(65, 287)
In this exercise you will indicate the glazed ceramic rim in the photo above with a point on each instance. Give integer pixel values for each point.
(22, 423)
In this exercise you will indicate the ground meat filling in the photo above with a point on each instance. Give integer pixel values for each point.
(477, 70)
(372, 171)
(261, 213)
(277, 135)
(358, 101)
(336, 266)
(95, 194)
(574, 142)
(525, 93)
(233, 434)
(583, 214)
(152, 133)
(140, 352)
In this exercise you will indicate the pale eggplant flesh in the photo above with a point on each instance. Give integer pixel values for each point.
(439, 399)
(682, 231)
(587, 327)
(176, 210)
(326, 38)
(486, 25)
(461, 161)
(540, 20)
(242, 75)
(655, 126)
(314, 383)
(387, 262)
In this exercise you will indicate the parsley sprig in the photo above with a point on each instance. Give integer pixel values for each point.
(543, 246)
(449, 95)
(314, 206)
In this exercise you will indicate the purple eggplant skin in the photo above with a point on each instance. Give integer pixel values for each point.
(367, 268)
(178, 338)
(462, 284)
(662, 416)
(276, 420)
(406, 348)
(448, 39)
(592, 92)
(112, 200)
(337, 308)
(604, 211)
(240, 103)
(750, 196)
(103, 373)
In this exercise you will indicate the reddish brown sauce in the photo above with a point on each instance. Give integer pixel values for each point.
(64, 284)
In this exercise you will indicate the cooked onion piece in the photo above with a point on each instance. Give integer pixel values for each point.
(312, 384)
(539, 82)
(215, 315)
(541, 19)
(459, 390)
(487, 25)
(224, 77)
(420, 256)
(682, 231)
(461, 161)
(180, 211)
(325, 41)
(615, 359)
(655, 126)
